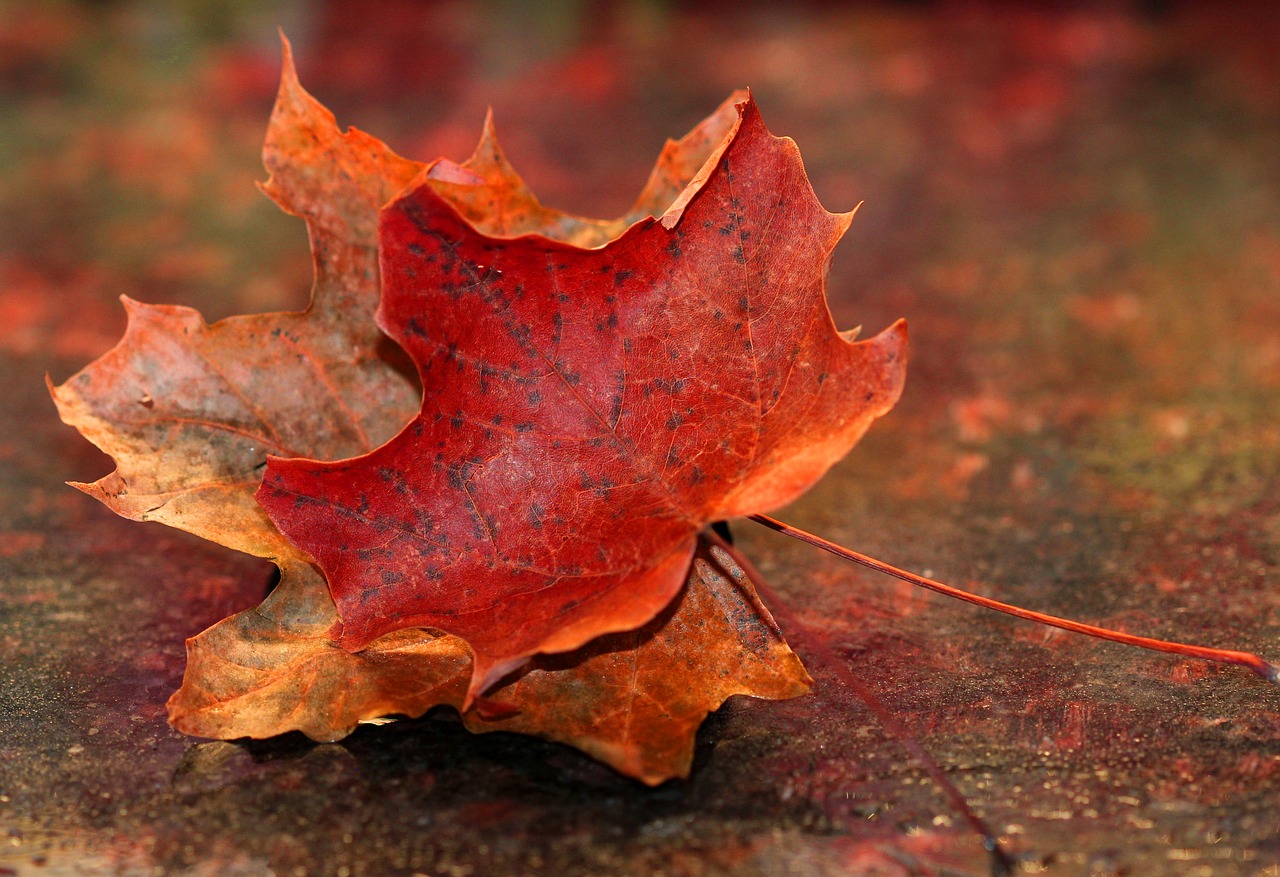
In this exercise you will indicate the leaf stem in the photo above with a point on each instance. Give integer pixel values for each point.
(1265, 669)
(1001, 864)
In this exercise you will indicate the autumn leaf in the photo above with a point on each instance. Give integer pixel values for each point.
(632, 700)
(588, 411)
(190, 411)
(491, 196)
(274, 669)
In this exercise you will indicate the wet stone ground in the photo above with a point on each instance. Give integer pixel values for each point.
(1079, 214)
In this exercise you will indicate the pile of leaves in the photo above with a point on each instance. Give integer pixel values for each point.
(514, 525)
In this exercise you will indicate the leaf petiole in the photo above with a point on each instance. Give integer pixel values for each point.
(1266, 669)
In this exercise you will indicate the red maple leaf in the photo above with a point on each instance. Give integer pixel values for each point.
(588, 411)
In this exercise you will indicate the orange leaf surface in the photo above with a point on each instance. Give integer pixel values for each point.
(633, 700)
(490, 195)
(275, 669)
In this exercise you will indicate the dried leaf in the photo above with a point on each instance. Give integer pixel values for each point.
(189, 411)
(633, 700)
(274, 669)
(490, 195)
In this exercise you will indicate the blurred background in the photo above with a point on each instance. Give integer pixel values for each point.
(1076, 206)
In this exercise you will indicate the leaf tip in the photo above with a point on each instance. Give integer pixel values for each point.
(488, 152)
(897, 351)
(488, 132)
(846, 218)
(899, 329)
(288, 69)
(93, 489)
(131, 306)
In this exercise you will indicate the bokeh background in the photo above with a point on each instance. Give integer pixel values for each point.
(1076, 206)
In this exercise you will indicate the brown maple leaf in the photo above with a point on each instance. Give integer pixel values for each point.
(588, 411)
(190, 412)
(632, 700)
(492, 197)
